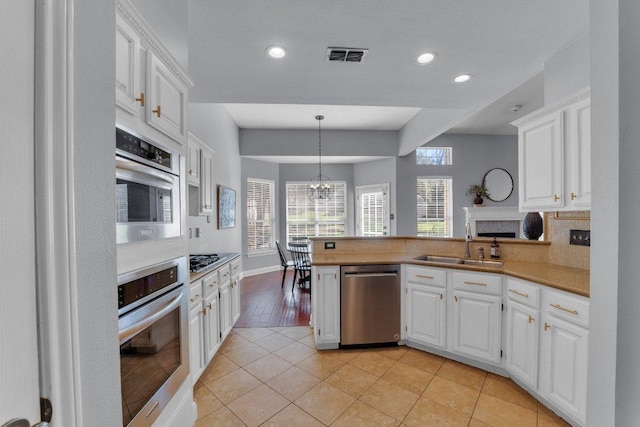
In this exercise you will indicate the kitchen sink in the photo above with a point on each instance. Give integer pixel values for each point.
(482, 262)
(438, 258)
(456, 260)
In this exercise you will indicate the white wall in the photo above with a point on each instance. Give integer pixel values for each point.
(213, 125)
(379, 172)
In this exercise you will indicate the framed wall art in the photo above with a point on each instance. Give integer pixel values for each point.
(226, 207)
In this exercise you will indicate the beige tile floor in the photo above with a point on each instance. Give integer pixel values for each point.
(275, 377)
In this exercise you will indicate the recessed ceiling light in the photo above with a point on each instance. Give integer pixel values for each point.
(462, 78)
(425, 58)
(276, 52)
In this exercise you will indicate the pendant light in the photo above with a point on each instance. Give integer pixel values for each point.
(319, 187)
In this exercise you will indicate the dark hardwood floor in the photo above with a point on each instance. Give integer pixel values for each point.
(264, 304)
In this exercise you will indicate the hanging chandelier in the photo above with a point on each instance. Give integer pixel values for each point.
(319, 187)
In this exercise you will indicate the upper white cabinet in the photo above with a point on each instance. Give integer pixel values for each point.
(194, 146)
(200, 175)
(554, 156)
(150, 85)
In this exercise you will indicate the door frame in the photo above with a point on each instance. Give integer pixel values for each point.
(386, 204)
(56, 273)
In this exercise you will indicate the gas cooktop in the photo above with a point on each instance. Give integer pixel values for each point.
(199, 263)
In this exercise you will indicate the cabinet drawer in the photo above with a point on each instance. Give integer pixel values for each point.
(235, 267)
(224, 272)
(210, 284)
(195, 293)
(427, 276)
(524, 292)
(475, 282)
(572, 308)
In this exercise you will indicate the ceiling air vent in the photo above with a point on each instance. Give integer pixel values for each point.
(346, 54)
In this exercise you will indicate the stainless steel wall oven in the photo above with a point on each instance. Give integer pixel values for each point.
(148, 200)
(153, 328)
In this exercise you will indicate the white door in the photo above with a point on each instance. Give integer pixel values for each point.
(372, 210)
(476, 325)
(426, 314)
(522, 343)
(19, 389)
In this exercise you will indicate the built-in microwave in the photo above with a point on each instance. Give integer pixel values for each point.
(148, 200)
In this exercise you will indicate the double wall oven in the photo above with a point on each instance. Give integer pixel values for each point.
(153, 332)
(148, 198)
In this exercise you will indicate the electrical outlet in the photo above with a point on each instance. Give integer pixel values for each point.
(197, 232)
(329, 245)
(580, 237)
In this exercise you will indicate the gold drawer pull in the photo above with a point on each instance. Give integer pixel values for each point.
(475, 283)
(422, 276)
(195, 297)
(158, 111)
(559, 307)
(141, 99)
(522, 294)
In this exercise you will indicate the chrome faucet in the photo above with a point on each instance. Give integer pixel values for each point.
(467, 239)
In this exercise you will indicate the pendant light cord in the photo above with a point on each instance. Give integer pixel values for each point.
(319, 118)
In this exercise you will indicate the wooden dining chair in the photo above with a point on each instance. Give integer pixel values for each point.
(301, 263)
(284, 262)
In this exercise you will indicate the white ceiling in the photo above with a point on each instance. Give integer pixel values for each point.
(503, 44)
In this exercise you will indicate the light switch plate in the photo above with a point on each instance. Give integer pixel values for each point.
(580, 237)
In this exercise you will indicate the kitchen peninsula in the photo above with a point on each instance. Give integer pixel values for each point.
(522, 317)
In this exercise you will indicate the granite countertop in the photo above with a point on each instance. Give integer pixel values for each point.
(574, 280)
(224, 258)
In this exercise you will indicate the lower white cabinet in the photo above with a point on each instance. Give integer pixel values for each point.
(522, 345)
(196, 341)
(563, 355)
(235, 291)
(225, 308)
(325, 306)
(425, 314)
(212, 337)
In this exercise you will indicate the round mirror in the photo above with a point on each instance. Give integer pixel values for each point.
(499, 184)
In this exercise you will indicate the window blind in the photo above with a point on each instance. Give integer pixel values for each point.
(322, 218)
(434, 202)
(260, 215)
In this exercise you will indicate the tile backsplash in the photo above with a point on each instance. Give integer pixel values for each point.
(557, 230)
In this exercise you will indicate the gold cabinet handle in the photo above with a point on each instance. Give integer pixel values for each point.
(555, 196)
(209, 305)
(546, 326)
(522, 294)
(422, 276)
(190, 173)
(531, 319)
(455, 298)
(441, 296)
(157, 111)
(573, 196)
(195, 297)
(203, 311)
(141, 99)
(568, 310)
(475, 283)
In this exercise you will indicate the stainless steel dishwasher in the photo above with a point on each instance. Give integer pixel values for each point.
(369, 304)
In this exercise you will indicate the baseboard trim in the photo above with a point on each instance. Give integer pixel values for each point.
(262, 270)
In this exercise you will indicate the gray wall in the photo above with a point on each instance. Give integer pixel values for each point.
(260, 170)
(567, 71)
(265, 142)
(378, 172)
(473, 156)
(169, 20)
(303, 173)
(213, 125)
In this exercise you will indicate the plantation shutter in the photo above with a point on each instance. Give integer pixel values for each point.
(306, 218)
(434, 201)
(371, 214)
(260, 215)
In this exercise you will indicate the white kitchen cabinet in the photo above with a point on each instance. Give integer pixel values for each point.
(554, 156)
(522, 344)
(523, 330)
(166, 99)
(476, 305)
(206, 182)
(150, 85)
(234, 267)
(425, 306)
(212, 338)
(225, 307)
(128, 94)
(196, 341)
(563, 352)
(194, 147)
(325, 306)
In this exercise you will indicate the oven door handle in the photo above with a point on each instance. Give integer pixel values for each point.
(130, 165)
(140, 326)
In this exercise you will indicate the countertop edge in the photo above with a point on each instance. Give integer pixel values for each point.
(224, 259)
